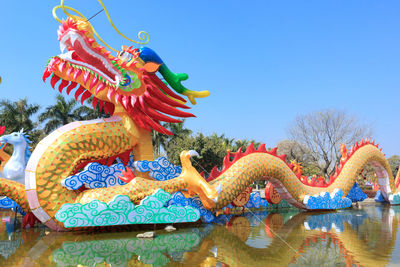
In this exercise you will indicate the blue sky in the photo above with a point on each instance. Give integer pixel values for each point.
(264, 62)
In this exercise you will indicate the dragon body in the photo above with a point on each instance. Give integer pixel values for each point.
(127, 87)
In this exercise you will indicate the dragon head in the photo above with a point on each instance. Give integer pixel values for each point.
(122, 84)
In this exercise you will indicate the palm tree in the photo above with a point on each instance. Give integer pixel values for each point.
(63, 112)
(161, 140)
(17, 115)
(244, 143)
(89, 113)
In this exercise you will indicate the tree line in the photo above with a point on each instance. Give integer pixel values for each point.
(17, 115)
(314, 139)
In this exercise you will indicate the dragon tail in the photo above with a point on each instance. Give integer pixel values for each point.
(14, 191)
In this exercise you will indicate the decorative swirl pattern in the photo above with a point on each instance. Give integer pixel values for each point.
(179, 199)
(96, 175)
(122, 211)
(160, 169)
(256, 201)
(8, 203)
(118, 252)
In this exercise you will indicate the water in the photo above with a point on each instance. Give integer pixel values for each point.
(367, 236)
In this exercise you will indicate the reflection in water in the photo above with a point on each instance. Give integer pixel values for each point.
(119, 252)
(359, 237)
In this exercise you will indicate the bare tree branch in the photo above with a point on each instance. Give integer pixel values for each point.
(323, 132)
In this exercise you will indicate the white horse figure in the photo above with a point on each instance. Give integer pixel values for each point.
(15, 166)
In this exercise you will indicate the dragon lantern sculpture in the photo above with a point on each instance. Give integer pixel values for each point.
(128, 87)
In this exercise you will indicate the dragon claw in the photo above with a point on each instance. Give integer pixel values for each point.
(196, 183)
(193, 153)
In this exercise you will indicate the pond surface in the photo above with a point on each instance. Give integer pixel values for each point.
(366, 236)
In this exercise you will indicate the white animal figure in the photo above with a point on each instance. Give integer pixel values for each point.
(15, 166)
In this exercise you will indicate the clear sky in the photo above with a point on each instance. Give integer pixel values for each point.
(264, 62)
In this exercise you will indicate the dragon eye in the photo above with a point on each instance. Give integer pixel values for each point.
(125, 56)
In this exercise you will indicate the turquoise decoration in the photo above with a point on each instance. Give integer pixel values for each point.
(160, 169)
(326, 201)
(160, 251)
(96, 175)
(356, 194)
(122, 211)
(379, 197)
(394, 199)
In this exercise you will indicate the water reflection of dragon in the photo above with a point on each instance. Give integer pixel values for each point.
(129, 89)
(344, 234)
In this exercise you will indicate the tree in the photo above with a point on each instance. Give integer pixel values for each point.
(244, 143)
(394, 162)
(162, 141)
(323, 132)
(210, 148)
(17, 115)
(63, 112)
(90, 113)
(294, 151)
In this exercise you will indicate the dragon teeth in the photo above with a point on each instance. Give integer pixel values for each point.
(73, 38)
(63, 46)
(117, 81)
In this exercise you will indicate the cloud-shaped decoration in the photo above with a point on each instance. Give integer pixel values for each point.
(96, 175)
(8, 247)
(119, 252)
(255, 201)
(394, 199)
(8, 203)
(326, 222)
(122, 211)
(379, 197)
(179, 199)
(356, 194)
(160, 169)
(326, 201)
